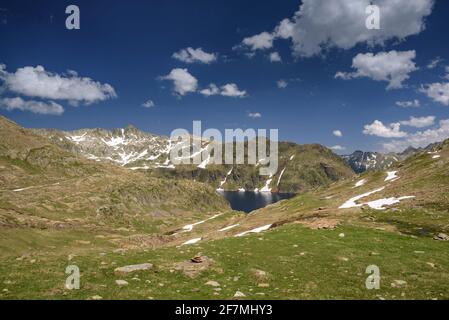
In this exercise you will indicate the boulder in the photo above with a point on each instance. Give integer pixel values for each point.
(133, 268)
(442, 237)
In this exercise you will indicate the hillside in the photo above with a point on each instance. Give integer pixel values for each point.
(45, 186)
(301, 167)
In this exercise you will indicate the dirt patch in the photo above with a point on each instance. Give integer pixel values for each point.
(143, 241)
(194, 266)
(320, 223)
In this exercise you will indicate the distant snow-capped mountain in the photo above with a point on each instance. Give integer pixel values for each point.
(127, 147)
(361, 161)
(300, 168)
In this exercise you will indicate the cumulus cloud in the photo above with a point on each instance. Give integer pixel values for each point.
(409, 104)
(337, 133)
(183, 81)
(254, 115)
(211, 90)
(275, 57)
(190, 55)
(148, 104)
(378, 129)
(39, 107)
(282, 84)
(259, 41)
(231, 90)
(420, 138)
(322, 24)
(438, 92)
(393, 67)
(338, 148)
(419, 122)
(227, 90)
(37, 82)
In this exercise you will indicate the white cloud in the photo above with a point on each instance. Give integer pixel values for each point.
(39, 107)
(322, 24)
(183, 81)
(212, 90)
(37, 82)
(231, 90)
(254, 115)
(408, 104)
(285, 29)
(227, 90)
(190, 55)
(148, 104)
(393, 67)
(259, 41)
(275, 57)
(420, 138)
(438, 92)
(282, 84)
(419, 122)
(434, 63)
(378, 129)
(337, 148)
(337, 133)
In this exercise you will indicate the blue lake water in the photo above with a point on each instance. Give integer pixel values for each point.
(248, 201)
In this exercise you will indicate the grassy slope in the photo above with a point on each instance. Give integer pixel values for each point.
(301, 263)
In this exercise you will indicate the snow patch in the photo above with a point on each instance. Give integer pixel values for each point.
(189, 227)
(360, 183)
(280, 176)
(229, 227)
(77, 139)
(256, 230)
(379, 204)
(267, 188)
(351, 203)
(391, 175)
(192, 241)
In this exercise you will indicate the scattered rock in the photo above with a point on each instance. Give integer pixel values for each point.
(341, 235)
(431, 264)
(398, 283)
(442, 237)
(194, 266)
(239, 294)
(320, 223)
(121, 282)
(133, 268)
(263, 285)
(260, 275)
(96, 298)
(196, 260)
(212, 283)
(343, 259)
(83, 242)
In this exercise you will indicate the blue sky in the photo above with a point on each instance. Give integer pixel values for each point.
(130, 46)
